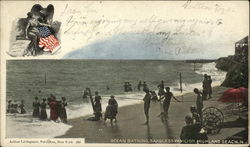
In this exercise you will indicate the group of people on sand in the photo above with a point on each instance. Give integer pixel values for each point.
(193, 131)
(13, 107)
(110, 112)
(57, 109)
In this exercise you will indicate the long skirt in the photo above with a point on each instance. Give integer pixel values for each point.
(43, 114)
(110, 112)
(36, 112)
(63, 115)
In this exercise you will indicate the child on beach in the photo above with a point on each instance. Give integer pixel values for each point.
(195, 116)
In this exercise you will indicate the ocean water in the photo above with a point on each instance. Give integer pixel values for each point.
(29, 78)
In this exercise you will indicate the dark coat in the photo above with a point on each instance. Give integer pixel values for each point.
(43, 115)
(36, 109)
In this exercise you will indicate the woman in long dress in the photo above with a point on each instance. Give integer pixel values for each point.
(36, 109)
(43, 115)
(98, 106)
(111, 110)
(63, 113)
(53, 104)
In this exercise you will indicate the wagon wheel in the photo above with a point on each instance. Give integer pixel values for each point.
(212, 119)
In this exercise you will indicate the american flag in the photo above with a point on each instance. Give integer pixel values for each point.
(47, 40)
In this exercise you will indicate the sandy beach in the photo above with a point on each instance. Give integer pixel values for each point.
(130, 128)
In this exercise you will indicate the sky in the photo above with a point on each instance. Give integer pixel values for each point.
(171, 31)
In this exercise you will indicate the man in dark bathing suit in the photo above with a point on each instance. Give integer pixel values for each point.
(167, 99)
(147, 100)
(199, 102)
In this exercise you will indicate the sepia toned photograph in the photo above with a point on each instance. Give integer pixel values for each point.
(127, 72)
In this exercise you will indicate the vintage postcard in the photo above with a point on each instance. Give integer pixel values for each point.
(80, 73)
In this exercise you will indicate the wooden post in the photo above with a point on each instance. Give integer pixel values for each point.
(180, 82)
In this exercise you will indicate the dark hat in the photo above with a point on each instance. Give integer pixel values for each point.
(63, 98)
(112, 96)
